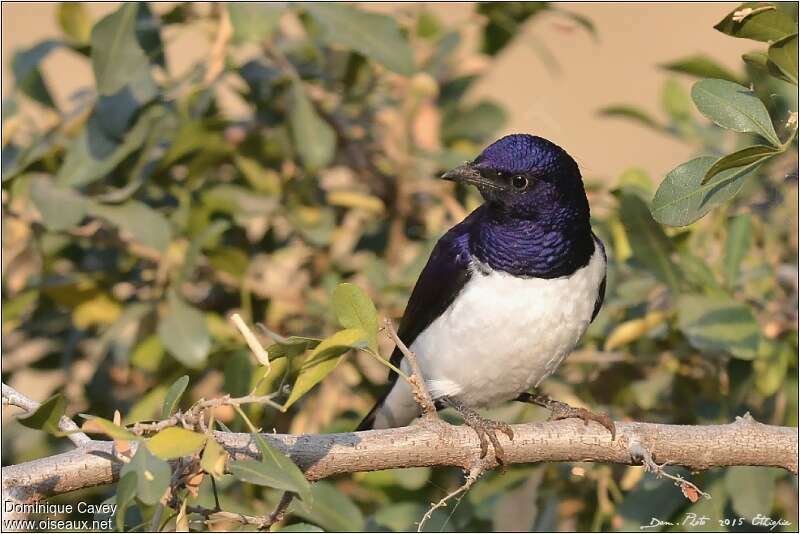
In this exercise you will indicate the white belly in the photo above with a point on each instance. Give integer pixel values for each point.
(503, 335)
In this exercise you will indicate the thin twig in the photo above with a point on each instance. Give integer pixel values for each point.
(474, 473)
(12, 397)
(640, 451)
(416, 380)
(252, 341)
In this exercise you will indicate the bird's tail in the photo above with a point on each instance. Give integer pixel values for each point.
(368, 423)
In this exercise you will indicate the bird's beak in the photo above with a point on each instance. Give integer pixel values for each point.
(466, 173)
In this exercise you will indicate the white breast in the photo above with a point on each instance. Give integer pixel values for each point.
(503, 335)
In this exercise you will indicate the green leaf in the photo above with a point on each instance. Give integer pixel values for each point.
(752, 489)
(253, 21)
(98, 425)
(75, 21)
(93, 154)
(338, 343)
(255, 472)
(766, 25)
(292, 478)
(650, 244)
(152, 475)
(138, 220)
(676, 100)
(701, 66)
(374, 35)
(323, 359)
(214, 459)
(331, 509)
(184, 333)
(354, 309)
(173, 397)
(734, 107)
(25, 66)
(300, 527)
(682, 198)
(756, 59)
(314, 139)
(118, 57)
(46, 416)
(632, 113)
(718, 323)
(771, 366)
(741, 158)
(62, 208)
(736, 246)
(174, 442)
(126, 492)
(783, 54)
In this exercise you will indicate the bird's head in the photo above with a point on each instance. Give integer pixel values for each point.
(525, 176)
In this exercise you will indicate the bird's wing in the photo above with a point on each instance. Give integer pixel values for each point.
(601, 293)
(442, 279)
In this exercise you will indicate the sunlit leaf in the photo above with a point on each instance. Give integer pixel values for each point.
(254, 21)
(175, 442)
(324, 359)
(214, 459)
(741, 158)
(46, 416)
(75, 21)
(99, 425)
(682, 198)
(767, 24)
(354, 309)
(734, 107)
(173, 397)
(118, 57)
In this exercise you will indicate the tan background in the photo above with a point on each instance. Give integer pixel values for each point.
(619, 67)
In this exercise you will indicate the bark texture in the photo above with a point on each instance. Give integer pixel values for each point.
(435, 443)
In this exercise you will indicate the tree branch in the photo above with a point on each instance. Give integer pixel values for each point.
(743, 442)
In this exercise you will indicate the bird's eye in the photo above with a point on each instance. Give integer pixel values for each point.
(519, 182)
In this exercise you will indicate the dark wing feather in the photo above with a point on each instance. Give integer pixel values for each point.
(601, 293)
(441, 280)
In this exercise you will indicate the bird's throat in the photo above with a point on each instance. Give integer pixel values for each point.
(547, 247)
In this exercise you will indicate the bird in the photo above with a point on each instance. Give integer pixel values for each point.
(506, 294)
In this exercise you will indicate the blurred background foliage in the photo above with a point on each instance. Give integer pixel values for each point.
(135, 224)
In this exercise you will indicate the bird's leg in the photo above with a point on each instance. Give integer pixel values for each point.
(485, 428)
(561, 410)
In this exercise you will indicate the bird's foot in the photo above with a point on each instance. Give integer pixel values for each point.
(561, 410)
(486, 429)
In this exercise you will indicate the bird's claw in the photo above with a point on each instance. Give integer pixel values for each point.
(561, 410)
(486, 429)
